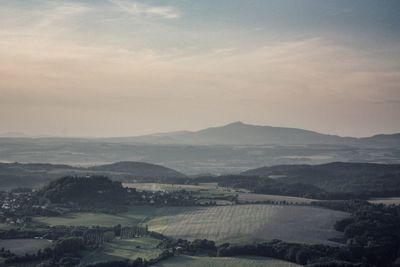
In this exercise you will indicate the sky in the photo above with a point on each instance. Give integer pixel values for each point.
(130, 67)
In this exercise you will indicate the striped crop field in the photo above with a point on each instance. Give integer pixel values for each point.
(234, 223)
(186, 261)
(247, 223)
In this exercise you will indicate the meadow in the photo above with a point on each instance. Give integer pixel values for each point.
(237, 223)
(184, 261)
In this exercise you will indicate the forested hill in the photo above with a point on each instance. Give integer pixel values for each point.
(336, 176)
(92, 191)
(138, 169)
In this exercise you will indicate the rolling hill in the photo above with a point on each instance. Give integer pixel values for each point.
(336, 176)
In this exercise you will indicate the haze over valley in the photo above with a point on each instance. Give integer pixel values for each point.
(227, 149)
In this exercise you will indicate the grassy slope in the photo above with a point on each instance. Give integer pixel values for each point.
(183, 261)
(242, 223)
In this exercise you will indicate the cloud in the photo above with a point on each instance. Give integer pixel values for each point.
(143, 10)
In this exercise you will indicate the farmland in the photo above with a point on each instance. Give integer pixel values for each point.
(183, 261)
(238, 223)
(23, 246)
(246, 223)
(144, 247)
(250, 197)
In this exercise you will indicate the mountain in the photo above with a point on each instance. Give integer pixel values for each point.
(34, 175)
(239, 133)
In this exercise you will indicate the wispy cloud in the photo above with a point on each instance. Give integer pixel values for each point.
(56, 56)
(144, 10)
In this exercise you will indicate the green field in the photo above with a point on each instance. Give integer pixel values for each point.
(22, 246)
(187, 261)
(144, 247)
(236, 223)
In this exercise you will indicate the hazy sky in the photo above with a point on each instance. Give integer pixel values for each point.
(124, 67)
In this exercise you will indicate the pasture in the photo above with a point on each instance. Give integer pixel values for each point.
(144, 247)
(185, 261)
(236, 223)
(23, 246)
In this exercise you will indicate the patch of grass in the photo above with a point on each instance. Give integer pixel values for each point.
(183, 261)
(23, 246)
(144, 247)
(4, 226)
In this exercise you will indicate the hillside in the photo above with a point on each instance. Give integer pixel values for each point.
(337, 176)
(138, 169)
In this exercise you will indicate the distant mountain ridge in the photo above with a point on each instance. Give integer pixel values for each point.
(239, 133)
